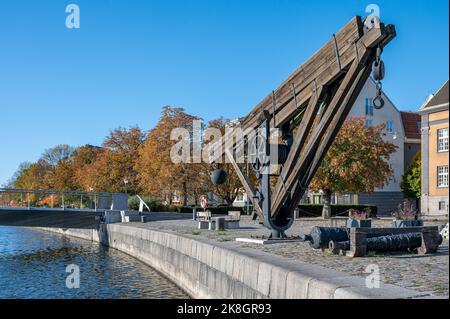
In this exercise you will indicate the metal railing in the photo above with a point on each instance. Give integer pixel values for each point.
(62, 199)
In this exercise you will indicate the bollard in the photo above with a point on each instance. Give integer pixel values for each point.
(219, 223)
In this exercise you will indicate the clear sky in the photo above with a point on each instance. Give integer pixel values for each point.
(216, 57)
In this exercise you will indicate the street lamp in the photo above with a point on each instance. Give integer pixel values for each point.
(126, 184)
(91, 190)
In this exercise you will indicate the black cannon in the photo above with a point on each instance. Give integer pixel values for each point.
(401, 242)
(321, 236)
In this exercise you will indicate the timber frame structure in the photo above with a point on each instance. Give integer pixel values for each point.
(309, 109)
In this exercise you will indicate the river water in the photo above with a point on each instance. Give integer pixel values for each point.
(33, 264)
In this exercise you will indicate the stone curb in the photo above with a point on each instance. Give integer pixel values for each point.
(207, 269)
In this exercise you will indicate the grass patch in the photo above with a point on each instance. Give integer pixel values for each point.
(196, 232)
(371, 253)
(221, 239)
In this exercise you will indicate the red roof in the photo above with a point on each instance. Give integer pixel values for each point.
(411, 124)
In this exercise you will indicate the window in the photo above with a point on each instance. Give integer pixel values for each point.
(442, 176)
(441, 205)
(369, 107)
(390, 126)
(443, 140)
(240, 197)
(368, 123)
(316, 200)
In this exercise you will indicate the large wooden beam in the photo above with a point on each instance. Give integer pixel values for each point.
(333, 112)
(300, 137)
(308, 168)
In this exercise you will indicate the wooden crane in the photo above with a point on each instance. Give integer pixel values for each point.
(309, 108)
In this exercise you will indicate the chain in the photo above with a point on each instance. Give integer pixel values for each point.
(378, 74)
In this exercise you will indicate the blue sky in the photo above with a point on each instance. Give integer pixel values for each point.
(216, 57)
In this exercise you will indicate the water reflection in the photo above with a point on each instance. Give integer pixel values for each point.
(33, 265)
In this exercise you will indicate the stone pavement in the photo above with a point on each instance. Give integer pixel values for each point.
(421, 273)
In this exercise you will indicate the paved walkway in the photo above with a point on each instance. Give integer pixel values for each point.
(421, 273)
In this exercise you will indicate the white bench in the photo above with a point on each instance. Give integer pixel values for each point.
(204, 219)
(204, 215)
(231, 222)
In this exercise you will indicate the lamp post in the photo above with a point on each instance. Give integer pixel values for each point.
(126, 184)
(91, 190)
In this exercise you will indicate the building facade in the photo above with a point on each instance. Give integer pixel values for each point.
(435, 154)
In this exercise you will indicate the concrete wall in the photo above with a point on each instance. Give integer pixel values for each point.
(386, 202)
(207, 269)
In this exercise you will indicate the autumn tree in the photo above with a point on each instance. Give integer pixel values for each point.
(115, 162)
(411, 182)
(159, 176)
(83, 168)
(34, 176)
(230, 189)
(356, 162)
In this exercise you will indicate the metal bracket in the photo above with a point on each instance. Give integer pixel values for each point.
(355, 44)
(274, 106)
(294, 94)
(338, 59)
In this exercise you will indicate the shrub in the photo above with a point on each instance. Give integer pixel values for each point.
(221, 210)
(155, 205)
(312, 210)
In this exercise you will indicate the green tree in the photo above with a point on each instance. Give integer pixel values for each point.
(411, 182)
(356, 162)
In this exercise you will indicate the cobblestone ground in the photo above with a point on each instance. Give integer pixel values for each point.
(421, 273)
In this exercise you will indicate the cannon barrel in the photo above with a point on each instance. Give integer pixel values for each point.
(399, 242)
